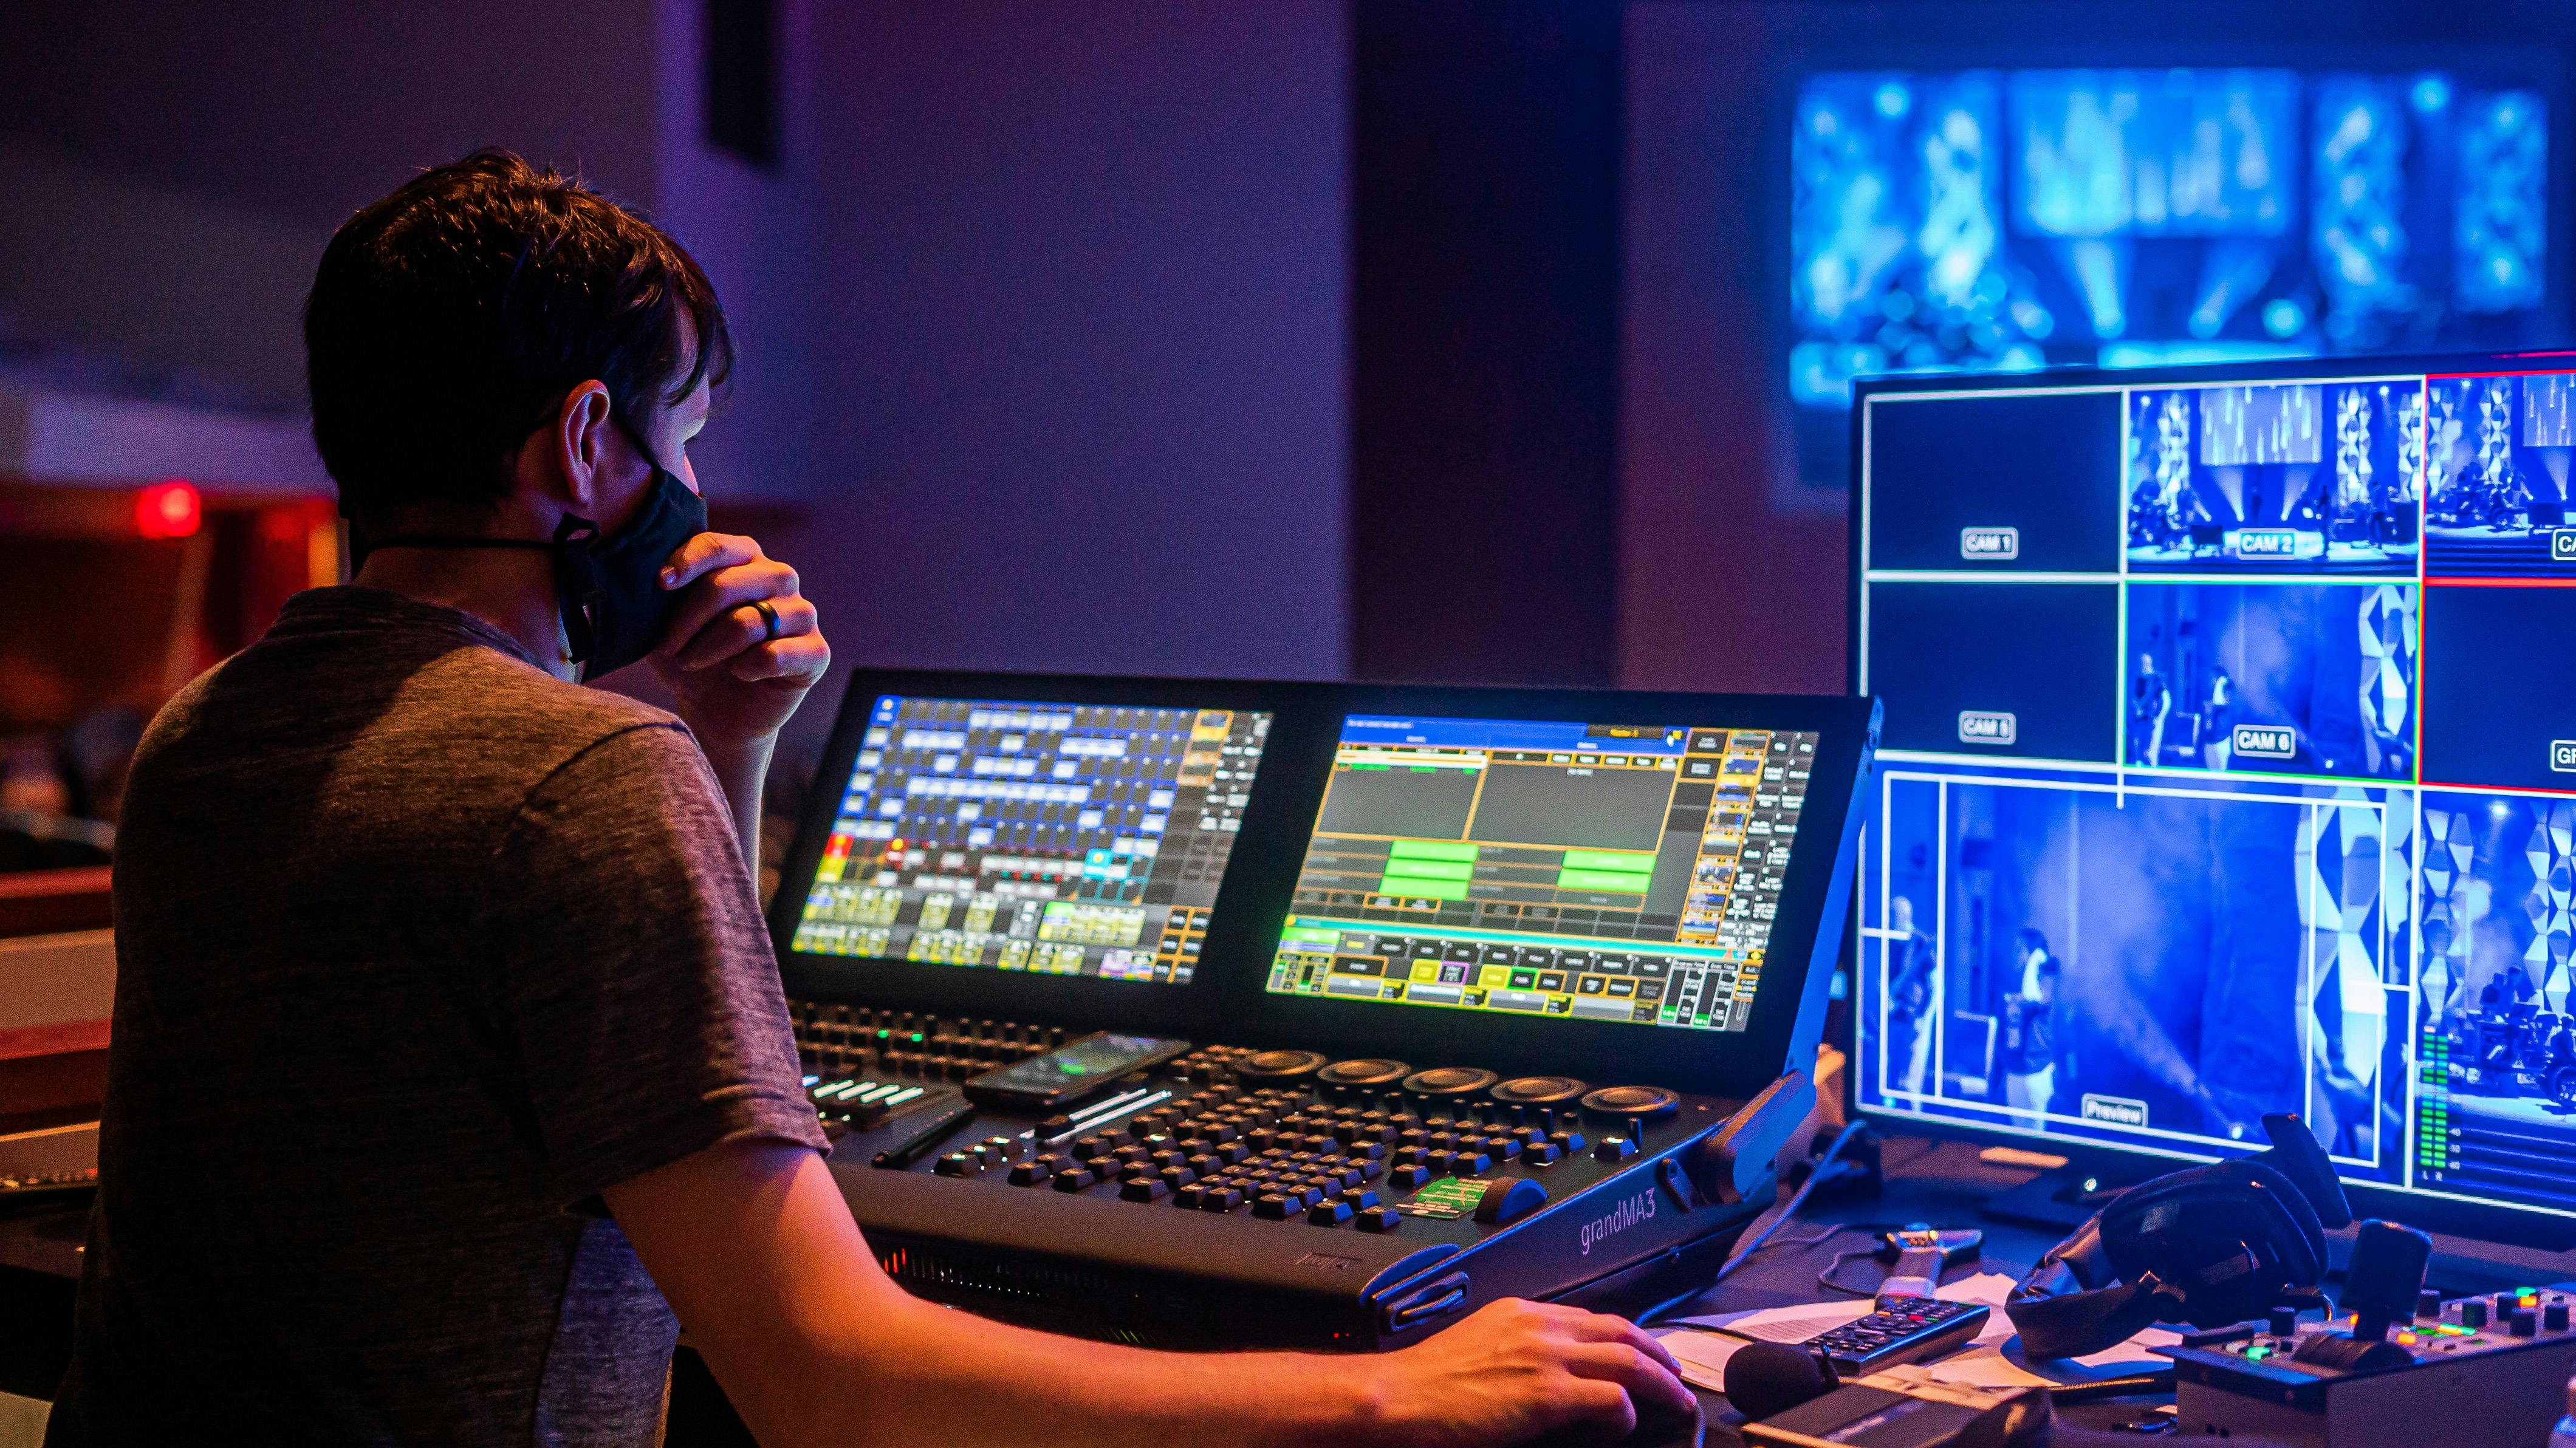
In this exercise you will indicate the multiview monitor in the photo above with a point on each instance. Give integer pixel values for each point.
(2230, 764)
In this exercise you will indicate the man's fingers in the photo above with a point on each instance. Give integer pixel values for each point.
(1601, 1403)
(742, 627)
(1644, 1378)
(703, 555)
(728, 588)
(1601, 1327)
(802, 659)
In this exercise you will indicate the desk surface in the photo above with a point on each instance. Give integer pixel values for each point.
(1943, 1184)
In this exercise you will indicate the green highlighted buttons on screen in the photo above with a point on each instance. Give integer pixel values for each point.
(1429, 869)
(1622, 870)
(1441, 870)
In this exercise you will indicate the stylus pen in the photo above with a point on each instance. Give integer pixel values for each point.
(923, 1142)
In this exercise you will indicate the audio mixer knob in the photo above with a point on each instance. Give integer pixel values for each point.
(2473, 1312)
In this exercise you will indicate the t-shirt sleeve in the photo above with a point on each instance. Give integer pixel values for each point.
(638, 986)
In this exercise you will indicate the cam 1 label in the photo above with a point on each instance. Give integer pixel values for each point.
(1989, 545)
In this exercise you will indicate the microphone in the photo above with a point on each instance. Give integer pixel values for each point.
(1764, 1378)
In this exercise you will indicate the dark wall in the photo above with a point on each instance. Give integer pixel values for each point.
(1484, 340)
(1078, 336)
(172, 170)
(309, 109)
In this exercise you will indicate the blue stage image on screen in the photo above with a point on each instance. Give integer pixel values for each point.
(2496, 492)
(2270, 808)
(2000, 220)
(2300, 678)
(2303, 478)
(2163, 964)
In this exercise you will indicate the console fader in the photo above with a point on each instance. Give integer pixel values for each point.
(1280, 1198)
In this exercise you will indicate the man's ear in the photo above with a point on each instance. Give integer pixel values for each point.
(581, 445)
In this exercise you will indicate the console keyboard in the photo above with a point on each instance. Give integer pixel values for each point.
(1376, 1201)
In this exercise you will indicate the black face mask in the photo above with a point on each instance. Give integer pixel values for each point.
(608, 588)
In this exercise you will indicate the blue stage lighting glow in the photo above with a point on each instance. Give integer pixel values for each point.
(1973, 220)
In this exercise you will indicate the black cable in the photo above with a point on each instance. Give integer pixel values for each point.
(1797, 1199)
(1780, 1215)
(1826, 1278)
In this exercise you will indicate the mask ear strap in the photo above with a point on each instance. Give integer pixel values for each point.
(577, 585)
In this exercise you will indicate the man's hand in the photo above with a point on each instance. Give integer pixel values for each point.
(736, 684)
(1516, 1369)
(753, 1244)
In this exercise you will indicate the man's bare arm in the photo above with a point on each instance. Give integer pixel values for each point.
(815, 1345)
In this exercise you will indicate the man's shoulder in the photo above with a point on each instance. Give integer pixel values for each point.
(468, 715)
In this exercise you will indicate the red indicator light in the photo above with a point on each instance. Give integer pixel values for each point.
(168, 510)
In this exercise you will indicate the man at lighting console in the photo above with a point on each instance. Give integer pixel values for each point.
(449, 1046)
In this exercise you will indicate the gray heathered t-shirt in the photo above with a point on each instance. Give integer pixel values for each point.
(418, 949)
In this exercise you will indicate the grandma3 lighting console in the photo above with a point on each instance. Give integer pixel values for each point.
(1222, 1014)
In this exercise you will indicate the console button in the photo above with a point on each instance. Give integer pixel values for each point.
(1331, 1212)
(1143, 1189)
(1221, 1199)
(1030, 1173)
(1380, 1219)
(1403, 1178)
(1271, 1207)
(1614, 1148)
(1074, 1180)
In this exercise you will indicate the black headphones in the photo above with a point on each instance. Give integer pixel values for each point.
(2209, 1245)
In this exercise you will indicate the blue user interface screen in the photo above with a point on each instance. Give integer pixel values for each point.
(2230, 768)
(1066, 839)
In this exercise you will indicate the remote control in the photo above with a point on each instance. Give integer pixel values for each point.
(1903, 1330)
